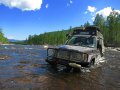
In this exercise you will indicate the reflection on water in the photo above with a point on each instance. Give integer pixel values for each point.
(26, 69)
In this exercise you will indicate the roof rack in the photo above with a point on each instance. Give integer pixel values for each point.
(93, 28)
(89, 30)
(77, 29)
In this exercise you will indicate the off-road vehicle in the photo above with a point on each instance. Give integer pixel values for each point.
(83, 48)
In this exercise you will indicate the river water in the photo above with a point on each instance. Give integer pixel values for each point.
(25, 69)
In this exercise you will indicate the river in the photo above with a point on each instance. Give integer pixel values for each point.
(24, 68)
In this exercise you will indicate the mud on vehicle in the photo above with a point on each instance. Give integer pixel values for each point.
(83, 48)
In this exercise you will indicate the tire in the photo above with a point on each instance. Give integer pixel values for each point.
(68, 68)
(76, 70)
(52, 63)
(92, 63)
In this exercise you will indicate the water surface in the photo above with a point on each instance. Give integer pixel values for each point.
(26, 69)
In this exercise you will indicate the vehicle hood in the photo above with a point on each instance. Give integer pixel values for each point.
(77, 48)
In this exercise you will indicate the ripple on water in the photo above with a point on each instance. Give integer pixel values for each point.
(27, 68)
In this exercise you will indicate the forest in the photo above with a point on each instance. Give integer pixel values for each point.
(110, 27)
(3, 39)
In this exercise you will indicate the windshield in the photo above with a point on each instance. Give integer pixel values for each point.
(82, 41)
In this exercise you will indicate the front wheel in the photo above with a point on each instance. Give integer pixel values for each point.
(68, 68)
(92, 63)
(53, 63)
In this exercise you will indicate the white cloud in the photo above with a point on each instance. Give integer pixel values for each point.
(93, 18)
(118, 11)
(68, 4)
(85, 12)
(24, 5)
(91, 9)
(47, 5)
(104, 12)
(71, 1)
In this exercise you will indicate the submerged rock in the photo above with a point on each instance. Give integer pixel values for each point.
(3, 57)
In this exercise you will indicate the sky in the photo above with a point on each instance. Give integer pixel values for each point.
(21, 18)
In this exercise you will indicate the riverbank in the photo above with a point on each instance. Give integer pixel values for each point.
(114, 48)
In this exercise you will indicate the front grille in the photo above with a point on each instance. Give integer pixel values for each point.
(76, 56)
(69, 55)
(63, 54)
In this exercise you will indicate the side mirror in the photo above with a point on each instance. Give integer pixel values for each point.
(68, 35)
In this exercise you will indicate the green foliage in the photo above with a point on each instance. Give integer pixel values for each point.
(110, 28)
(99, 20)
(2, 38)
(86, 24)
(51, 38)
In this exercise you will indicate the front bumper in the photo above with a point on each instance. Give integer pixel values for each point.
(56, 61)
(67, 62)
(65, 57)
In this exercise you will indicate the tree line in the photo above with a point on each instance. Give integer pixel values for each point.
(110, 27)
(51, 38)
(3, 39)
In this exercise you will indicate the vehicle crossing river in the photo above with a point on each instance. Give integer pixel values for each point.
(24, 68)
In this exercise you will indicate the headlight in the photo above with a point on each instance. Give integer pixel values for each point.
(51, 52)
(85, 57)
(76, 56)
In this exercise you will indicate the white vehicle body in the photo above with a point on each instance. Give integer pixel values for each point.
(83, 48)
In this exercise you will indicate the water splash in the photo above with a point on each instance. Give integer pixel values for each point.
(85, 70)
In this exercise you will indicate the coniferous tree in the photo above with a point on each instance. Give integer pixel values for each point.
(110, 27)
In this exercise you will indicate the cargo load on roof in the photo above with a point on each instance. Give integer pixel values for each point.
(90, 30)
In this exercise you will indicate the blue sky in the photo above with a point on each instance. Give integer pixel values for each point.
(20, 18)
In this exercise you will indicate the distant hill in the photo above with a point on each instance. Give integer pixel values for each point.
(14, 40)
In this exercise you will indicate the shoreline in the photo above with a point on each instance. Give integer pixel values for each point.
(113, 48)
(47, 46)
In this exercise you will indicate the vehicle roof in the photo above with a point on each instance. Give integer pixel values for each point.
(89, 29)
(89, 36)
(84, 35)
(93, 27)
